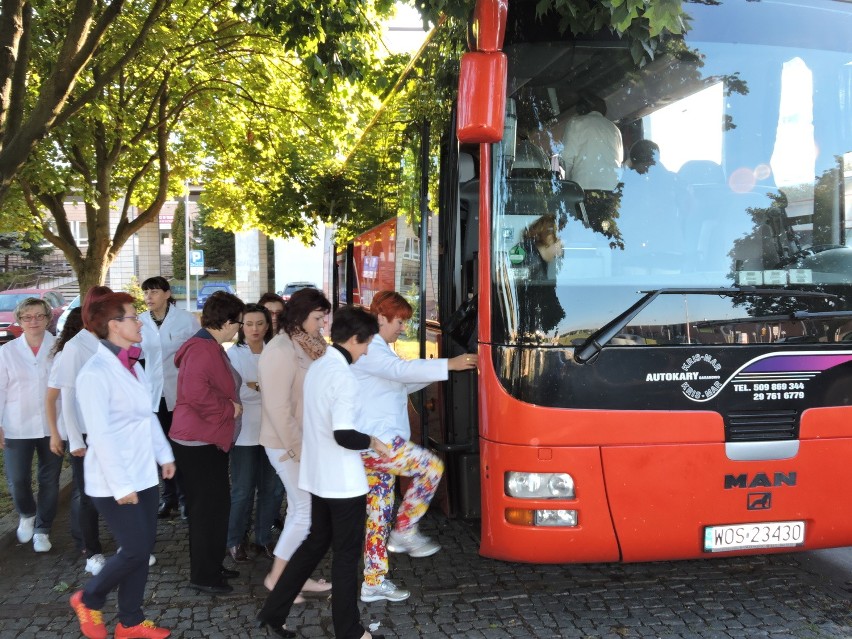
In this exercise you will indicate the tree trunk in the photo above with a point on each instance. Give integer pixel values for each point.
(93, 272)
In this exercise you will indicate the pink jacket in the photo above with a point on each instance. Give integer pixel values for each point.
(204, 411)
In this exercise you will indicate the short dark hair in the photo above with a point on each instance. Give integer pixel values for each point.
(352, 320)
(271, 297)
(220, 308)
(158, 283)
(255, 308)
(301, 304)
(106, 308)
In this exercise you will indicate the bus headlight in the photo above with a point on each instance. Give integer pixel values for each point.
(539, 485)
(543, 518)
(556, 518)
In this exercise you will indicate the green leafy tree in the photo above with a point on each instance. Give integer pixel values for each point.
(49, 49)
(25, 245)
(179, 242)
(141, 136)
(218, 244)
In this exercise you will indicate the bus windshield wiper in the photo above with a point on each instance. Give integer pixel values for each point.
(595, 342)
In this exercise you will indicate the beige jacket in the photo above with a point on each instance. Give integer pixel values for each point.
(281, 375)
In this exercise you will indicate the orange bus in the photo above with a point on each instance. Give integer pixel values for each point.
(651, 260)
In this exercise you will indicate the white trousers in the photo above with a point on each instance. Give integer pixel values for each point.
(297, 523)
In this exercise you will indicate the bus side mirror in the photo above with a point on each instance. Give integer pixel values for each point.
(482, 97)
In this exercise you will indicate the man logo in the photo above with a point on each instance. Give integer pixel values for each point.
(759, 501)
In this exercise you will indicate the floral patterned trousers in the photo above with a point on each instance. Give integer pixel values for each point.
(407, 460)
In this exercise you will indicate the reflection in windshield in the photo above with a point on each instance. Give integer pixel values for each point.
(735, 171)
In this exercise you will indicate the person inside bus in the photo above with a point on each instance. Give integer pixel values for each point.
(538, 257)
(385, 381)
(593, 153)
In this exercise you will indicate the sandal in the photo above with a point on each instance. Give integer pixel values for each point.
(316, 588)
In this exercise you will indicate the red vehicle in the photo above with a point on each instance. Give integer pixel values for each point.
(9, 328)
(665, 372)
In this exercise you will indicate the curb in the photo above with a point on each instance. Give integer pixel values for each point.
(9, 523)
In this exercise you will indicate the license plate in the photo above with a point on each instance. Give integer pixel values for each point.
(766, 534)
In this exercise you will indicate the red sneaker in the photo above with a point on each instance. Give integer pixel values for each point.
(144, 630)
(91, 622)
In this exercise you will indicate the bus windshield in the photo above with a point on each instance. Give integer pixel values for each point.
(726, 162)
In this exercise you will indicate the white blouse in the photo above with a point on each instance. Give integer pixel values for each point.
(245, 363)
(23, 384)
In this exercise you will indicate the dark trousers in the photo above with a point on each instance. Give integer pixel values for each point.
(172, 488)
(134, 527)
(208, 502)
(87, 514)
(335, 523)
(18, 463)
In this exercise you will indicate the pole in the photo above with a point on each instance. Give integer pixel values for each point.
(186, 224)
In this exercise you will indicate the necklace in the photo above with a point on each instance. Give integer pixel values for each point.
(159, 321)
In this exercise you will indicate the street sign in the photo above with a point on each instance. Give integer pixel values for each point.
(196, 262)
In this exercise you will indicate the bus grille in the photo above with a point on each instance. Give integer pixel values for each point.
(761, 425)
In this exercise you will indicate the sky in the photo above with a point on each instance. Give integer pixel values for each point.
(405, 31)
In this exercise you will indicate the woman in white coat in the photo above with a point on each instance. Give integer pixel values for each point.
(24, 431)
(125, 445)
(165, 328)
(281, 373)
(385, 381)
(251, 471)
(76, 352)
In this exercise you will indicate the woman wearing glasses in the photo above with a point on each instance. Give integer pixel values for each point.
(125, 445)
(204, 429)
(24, 431)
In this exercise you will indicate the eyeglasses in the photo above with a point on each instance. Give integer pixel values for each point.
(40, 317)
(135, 318)
(237, 322)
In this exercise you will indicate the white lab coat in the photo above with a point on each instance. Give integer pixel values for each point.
(126, 441)
(159, 346)
(23, 384)
(77, 351)
(245, 363)
(51, 383)
(385, 381)
(327, 469)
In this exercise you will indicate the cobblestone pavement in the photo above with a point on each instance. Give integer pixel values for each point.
(457, 593)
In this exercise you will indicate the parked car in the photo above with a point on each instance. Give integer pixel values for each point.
(292, 287)
(211, 287)
(60, 323)
(9, 328)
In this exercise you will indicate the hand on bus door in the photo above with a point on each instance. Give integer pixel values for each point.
(463, 362)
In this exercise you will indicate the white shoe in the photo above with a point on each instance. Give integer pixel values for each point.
(412, 543)
(41, 542)
(95, 564)
(25, 529)
(385, 590)
(151, 558)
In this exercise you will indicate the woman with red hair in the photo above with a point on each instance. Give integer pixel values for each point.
(125, 445)
(385, 380)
